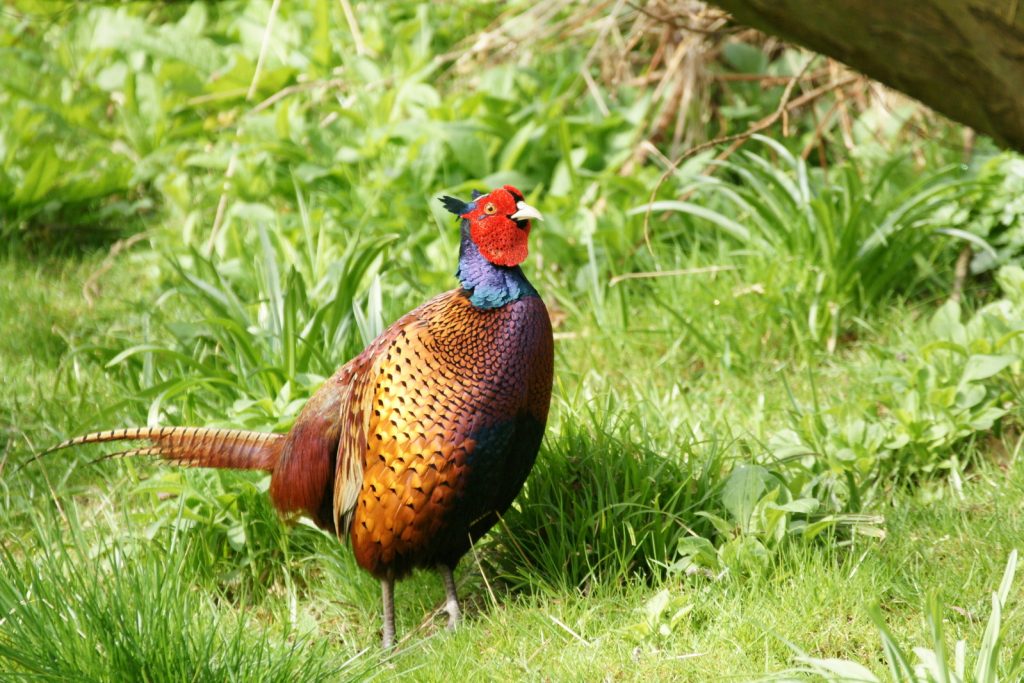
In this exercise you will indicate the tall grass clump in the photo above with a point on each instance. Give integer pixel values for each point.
(75, 610)
(246, 336)
(599, 506)
(829, 246)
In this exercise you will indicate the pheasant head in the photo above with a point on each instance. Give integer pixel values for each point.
(499, 223)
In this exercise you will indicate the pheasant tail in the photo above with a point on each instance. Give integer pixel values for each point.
(194, 446)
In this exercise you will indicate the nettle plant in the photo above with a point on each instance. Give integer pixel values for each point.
(928, 402)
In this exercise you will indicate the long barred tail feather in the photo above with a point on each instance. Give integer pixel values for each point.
(193, 446)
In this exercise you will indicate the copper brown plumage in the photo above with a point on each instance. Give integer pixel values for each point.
(415, 447)
(451, 376)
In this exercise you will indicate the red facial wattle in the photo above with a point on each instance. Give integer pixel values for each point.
(499, 225)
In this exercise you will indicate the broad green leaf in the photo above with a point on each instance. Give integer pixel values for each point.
(253, 212)
(786, 443)
(700, 551)
(799, 506)
(468, 148)
(721, 220)
(980, 367)
(744, 555)
(984, 420)
(816, 527)
(967, 397)
(1011, 281)
(39, 179)
(656, 605)
(742, 490)
(721, 526)
(514, 148)
(946, 323)
(745, 58)
(841, 670)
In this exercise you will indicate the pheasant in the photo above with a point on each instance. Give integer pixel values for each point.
(415, 447)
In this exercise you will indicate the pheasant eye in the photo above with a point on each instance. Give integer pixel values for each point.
(490, 209)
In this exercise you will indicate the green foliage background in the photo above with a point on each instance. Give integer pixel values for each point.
(763, 383)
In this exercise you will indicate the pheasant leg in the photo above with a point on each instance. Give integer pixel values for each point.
(452, 603)
(387, 587)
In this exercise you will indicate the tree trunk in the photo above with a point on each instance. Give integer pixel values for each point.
(963, 58)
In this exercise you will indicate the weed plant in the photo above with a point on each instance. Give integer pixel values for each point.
(764, 401)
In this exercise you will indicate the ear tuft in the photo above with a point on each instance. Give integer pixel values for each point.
(456, 206)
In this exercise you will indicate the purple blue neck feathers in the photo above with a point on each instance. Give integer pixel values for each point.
(489, 285)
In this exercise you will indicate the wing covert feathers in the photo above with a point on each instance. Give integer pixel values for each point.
(348, 477)
(354, 417)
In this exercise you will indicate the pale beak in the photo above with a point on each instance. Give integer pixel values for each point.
(525, 211)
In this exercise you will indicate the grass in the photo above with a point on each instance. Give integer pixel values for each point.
(791, 211)
(773, 422)
(287, 600)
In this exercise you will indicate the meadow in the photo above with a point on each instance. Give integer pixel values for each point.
(788, 305)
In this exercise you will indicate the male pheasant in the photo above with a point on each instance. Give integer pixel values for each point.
(416, 446)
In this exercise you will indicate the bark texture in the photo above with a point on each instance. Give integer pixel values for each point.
(963, 58)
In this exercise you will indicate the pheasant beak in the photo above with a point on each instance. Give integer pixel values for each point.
(525, 211)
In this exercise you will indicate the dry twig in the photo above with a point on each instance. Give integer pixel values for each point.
(668, 273)
(91, 287)
(222, 202)
(353, 26)
(963, 262)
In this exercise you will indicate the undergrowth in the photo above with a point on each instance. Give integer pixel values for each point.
(762, 361)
